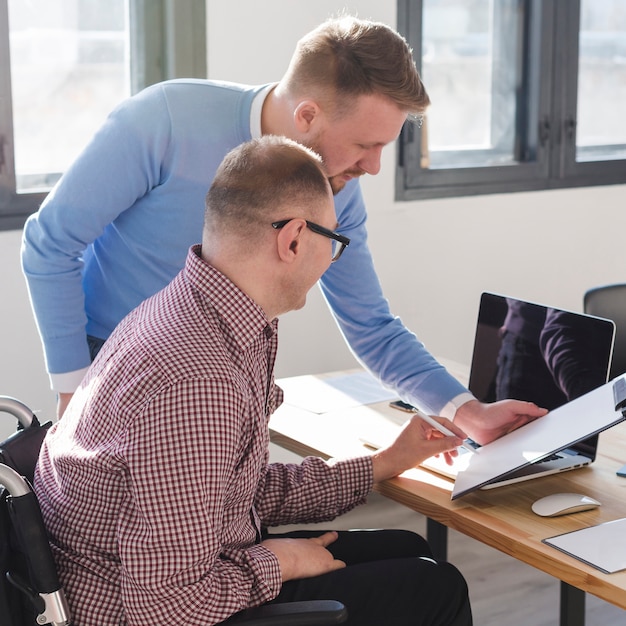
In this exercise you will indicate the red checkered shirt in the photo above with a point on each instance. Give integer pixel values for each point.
(155, 484)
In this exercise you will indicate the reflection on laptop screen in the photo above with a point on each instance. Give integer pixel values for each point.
(528, 351)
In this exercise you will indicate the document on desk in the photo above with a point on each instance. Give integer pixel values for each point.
(333, 393)
(600, 546)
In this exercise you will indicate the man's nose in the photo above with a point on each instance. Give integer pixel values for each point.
(370, 163)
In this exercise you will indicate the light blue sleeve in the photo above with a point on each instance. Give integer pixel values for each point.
(121, 163)
(379, 340)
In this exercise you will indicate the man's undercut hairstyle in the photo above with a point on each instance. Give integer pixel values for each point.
(259, 177)
(346, 57)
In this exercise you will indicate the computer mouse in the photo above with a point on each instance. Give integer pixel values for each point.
(563, 504)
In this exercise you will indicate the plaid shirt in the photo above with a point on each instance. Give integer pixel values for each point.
(155, 484)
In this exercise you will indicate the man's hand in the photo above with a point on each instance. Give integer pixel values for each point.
(487, 422)
(62, 401)
(304, 558)
(416, 442)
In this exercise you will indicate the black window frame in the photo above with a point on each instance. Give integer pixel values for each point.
(168, 40)
(547, 44)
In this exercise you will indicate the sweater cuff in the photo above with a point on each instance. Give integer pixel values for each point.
(67, 382)
(450, 409)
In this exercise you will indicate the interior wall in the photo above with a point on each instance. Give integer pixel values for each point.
(433, 257)
(22, 371)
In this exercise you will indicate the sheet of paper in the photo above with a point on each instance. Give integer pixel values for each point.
(601, 546)
(322, 395)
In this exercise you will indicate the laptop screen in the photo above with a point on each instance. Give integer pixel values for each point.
(529, 351)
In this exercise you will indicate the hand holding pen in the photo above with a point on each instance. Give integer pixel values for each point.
(403, 406)
(442, 429)
(414, 443)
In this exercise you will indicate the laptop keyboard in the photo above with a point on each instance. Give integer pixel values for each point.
(551, 457)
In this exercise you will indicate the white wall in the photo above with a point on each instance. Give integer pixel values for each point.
(22, 372)
(433, 257)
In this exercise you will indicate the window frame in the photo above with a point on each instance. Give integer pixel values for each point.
(546, 129)
(168, 40)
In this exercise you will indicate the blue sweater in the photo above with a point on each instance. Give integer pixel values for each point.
(118, 225)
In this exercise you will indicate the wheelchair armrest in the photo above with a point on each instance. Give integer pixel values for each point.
(21, 450)
(309, 613)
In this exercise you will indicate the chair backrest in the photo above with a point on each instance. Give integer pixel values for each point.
(610, 301)
(21, 450)
(30, 592)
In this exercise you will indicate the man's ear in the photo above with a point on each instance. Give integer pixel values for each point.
(306, 115)
(289, 240)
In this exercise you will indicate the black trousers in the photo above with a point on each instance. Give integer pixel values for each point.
(391, 579)
(95, 344)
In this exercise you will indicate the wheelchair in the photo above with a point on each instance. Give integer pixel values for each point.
(30, 591)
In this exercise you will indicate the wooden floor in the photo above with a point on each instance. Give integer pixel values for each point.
(503, 590)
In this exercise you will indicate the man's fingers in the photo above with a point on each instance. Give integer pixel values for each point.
(337, 564)
(326, 539)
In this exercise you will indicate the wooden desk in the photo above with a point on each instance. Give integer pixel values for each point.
(502, 517)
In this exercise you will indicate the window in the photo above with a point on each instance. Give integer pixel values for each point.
(64, 65)
(526, 94)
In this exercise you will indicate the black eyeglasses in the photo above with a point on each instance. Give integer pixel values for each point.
(339, 241)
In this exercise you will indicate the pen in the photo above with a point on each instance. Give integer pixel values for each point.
(442, 429)
(369, 445)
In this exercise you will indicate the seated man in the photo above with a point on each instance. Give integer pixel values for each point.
(155, 486)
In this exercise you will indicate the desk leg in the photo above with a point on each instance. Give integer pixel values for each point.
(572, 606)
(437, 536)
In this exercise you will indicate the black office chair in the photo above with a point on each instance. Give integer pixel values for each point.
(30, 591)
(610, 301)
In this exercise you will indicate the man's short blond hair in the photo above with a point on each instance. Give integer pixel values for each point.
(346, 57)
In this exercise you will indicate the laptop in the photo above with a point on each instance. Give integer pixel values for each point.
(529, 351)
(566, 425)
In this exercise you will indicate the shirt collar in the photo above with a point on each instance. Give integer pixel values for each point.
(257, 110)
(245, 317)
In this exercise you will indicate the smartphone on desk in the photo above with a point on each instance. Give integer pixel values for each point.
(402, 406)
(622, 471)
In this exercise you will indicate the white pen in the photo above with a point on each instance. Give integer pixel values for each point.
(442, 429)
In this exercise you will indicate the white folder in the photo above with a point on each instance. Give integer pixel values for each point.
(581, 418)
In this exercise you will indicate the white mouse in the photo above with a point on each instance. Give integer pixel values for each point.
(563, 504)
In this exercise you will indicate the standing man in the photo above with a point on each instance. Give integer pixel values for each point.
(117, 226)
(155, 486)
